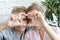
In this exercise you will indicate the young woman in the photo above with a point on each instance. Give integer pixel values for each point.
(36, 14)
(16, 24)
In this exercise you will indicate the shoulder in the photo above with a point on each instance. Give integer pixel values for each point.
(6, 32)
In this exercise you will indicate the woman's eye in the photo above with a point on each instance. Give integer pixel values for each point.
(29, 19)
(24, 19)
(11, 19)
(19, 21)
(36, 14)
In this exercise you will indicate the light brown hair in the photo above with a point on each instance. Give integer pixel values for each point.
(36, 7)
(18, 9)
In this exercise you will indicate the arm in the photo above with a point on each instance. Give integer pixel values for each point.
(51, 33)
(40, 22)
(49, 30)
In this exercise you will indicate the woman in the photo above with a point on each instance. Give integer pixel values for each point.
(13, 29)
(36, 14)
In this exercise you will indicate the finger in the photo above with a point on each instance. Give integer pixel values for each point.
(29, 15)
(23, 14)
(34, 15)
(38, 15)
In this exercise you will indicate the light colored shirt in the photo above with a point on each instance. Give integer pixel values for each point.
(9, 34)
(32, 34)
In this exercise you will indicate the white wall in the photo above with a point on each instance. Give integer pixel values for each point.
(7, 5)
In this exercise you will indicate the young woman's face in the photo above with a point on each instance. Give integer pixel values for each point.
(18, 19)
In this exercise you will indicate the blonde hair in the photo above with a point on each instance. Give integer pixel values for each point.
(36, 7)
(18, 9)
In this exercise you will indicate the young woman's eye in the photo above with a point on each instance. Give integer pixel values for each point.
(24, 19)
(28, 19)
(11, 18)
(19, 21)
(36, 14)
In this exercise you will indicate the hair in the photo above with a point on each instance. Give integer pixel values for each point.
(35, 6)
(18, 9)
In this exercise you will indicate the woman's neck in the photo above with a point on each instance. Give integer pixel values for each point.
(19, 30)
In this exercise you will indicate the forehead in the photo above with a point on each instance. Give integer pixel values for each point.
(19, 13)
(34, 11)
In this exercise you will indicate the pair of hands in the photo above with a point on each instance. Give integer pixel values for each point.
(38, 20)
(16, 20)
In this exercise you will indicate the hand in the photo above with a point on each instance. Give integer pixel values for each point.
(37, 19)
(16, 20)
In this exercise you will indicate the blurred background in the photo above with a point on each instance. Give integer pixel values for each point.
(7, 5)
